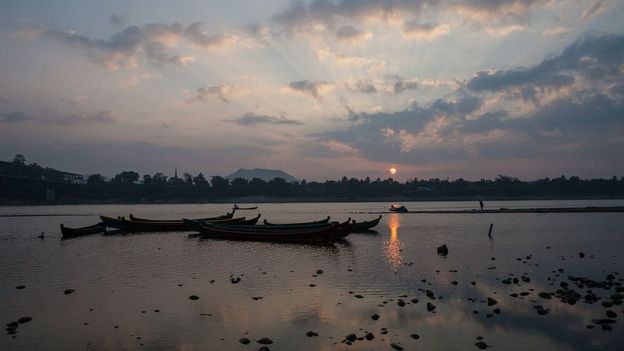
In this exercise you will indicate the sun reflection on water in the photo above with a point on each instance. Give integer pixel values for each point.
(393, 246)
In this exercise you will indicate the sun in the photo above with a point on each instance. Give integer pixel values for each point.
(392, 171)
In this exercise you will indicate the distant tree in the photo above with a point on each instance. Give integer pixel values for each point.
(126, 177)
(239, 186)
(220, 185)
(19, 158)
(188, 178)
(95, 179)
(147, 179)
(200, 181)
(159, 178)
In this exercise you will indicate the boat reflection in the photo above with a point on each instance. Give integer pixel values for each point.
(393, 246)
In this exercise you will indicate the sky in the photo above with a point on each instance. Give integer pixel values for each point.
(320, 89)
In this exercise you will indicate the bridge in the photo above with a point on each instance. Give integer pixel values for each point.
(18, 178)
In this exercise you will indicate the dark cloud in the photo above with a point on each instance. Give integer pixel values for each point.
(351, 33)
(252, 119)
(362, 86)
(312, 88)
(15, 117)
(104, 117)
(117, 20)
(594, 57)
(597, 7)
(222, 92)
(300, 15)
(152, 41)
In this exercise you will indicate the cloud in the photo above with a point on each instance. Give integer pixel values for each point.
(117, 20)
(252, 119)
(353, 34)
(593, 57)
(15, 117)
(222, 92)
(302, 16)
(424, 31)
(594, 9)
(102, 117)
(364, 86)
(152, 41)
(400, 85)
(313, 88)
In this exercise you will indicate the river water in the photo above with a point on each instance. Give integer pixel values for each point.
(132, 291)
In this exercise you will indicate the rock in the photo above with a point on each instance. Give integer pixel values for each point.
(491, 301)
(401, 303)
(264, 348)
(20, 287)
(479, 337)
(68, 291)
(235, 280)
(24, 320)
(497, 310)
(358, 296)
(581, 254)
(12, 325)
(351, 337)
(244, 341)
(454, 282)
(414, 300)
(430, 307)
(396, 347)
(369, 336)
(375, 317)
(415, 336)
(442, 250)
(544, 295)
(481, 345)
(320, 271)
(611, 314)
(311, 334)
(265, 341)
(194, 297)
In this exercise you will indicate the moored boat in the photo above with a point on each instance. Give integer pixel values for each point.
(398, 209)
(327, 232)
(76, 232)
(126, 225)
(300, 224)
(366, 225)
(217, 218)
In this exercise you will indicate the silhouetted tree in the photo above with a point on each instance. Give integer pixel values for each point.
(126, 177)
(95, 179)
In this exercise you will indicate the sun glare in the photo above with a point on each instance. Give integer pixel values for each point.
(392, 170)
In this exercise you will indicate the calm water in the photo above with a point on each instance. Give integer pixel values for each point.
(120, 281)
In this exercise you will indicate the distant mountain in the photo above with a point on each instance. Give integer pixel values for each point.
(261, 173)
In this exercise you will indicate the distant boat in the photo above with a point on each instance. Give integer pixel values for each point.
(244, 208)
(76, 232)
(217, 218)
(366, 225)
(399, 209)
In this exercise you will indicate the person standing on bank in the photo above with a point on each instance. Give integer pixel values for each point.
(481, 204)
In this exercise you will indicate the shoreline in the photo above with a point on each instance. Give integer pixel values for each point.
(590, 209)
(270, 200)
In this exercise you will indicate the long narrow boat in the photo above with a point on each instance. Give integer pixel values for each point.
(244, 208)
(300, 224)
(145, 226)
(328, 232)
(251, 221)
(217, 218)
(76, 232)
(366, 225)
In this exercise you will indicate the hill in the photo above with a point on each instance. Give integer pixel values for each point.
(261, 173)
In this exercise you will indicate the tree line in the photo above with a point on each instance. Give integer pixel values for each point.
(129, 185)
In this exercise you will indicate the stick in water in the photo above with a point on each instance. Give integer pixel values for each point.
(490, 232)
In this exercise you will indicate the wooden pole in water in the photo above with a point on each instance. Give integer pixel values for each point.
(490, 232)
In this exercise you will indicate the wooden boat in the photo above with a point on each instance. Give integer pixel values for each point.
(244, 208)
(328, 232)
(301, 224)
(146, 226)
(251, 221)
(366, 225)
(399, 209)
(76, 232)
(217, 218)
